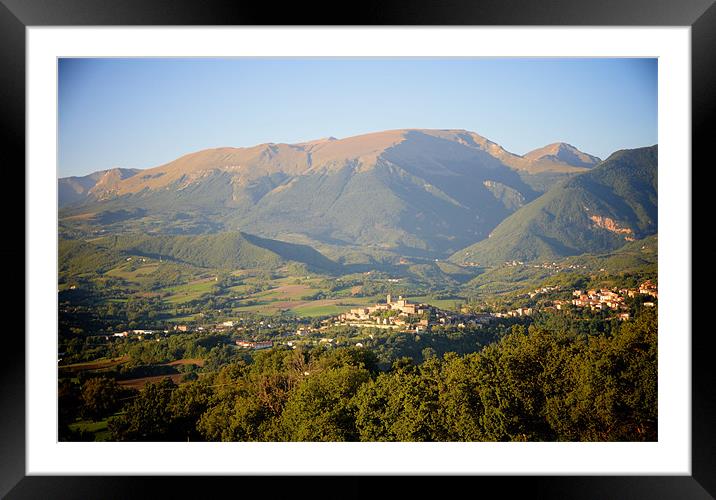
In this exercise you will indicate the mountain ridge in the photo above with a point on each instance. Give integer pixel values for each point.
(303, 156)
(419, 192)
(77, 188)
(597, 211)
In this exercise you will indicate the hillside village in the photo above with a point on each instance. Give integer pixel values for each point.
(603, 299)
(402, 314)
(406, 316)
(598, 299)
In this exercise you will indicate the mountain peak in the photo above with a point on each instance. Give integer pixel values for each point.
(315, 142)
(562, 153)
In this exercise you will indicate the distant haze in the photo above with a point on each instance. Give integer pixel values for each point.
(141, 113)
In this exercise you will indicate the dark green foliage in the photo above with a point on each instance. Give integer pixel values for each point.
(542, 383)
(608, 390)
(402, 405)
(100, 397)
(322, 408)
(211, 347)
(148, 416)
(68, 400)
(349, 356)
(187, 404)
(532, 386)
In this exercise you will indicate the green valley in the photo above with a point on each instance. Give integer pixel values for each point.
(367, 288)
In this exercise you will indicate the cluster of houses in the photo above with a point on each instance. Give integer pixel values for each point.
(255, 345)
(603, 299)
(598, 299)
(403, 315)
(393, 314)
(595, 300)
(554, 266)
(543, 290)
(514, 313)
(139, 333)
(647, 288)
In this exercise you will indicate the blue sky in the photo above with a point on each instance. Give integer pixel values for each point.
(145, 112)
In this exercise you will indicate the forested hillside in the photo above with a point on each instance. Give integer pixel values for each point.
(597, 211)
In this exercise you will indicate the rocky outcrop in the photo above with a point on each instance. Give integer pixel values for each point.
(611, 225)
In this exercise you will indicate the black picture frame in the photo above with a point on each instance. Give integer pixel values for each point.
(16, 15)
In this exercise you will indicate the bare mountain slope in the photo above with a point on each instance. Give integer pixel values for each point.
(412, 191)
(78, 189)
(560, 153)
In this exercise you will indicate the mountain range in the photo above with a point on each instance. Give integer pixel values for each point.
(410, 192)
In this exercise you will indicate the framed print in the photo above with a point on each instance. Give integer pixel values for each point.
(425, 243)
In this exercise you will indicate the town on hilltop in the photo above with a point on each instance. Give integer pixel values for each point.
(401, 314)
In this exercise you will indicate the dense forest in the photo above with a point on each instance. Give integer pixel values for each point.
(537, 383)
